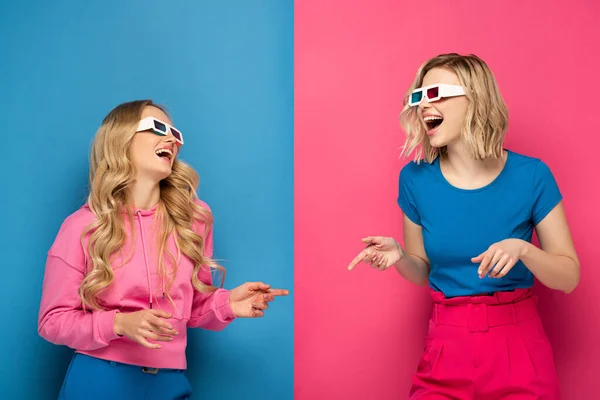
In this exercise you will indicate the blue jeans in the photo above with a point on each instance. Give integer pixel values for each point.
(90, 378)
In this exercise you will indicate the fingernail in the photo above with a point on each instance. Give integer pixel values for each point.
(177, 333)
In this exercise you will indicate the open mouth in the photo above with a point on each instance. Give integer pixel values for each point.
(433, 122)
(165, 154)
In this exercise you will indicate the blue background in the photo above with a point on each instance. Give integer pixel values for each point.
(225, 72)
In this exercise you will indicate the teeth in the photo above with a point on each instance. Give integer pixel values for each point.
(432, 118)
(164, 151)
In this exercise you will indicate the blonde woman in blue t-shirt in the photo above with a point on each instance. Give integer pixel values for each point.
(470, 207)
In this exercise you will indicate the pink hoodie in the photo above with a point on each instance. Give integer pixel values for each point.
(136, 286)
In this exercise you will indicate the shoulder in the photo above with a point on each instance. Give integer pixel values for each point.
(76, 223)
(530, 166)
(204, 220)
(202, 204)
(67, 243)
(412, 171)
(524, 161)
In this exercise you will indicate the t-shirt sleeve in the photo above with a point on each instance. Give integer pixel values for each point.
(546, 194)
(406, 194)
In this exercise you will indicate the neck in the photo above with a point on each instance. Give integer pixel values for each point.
(460, 161)
(145, 193)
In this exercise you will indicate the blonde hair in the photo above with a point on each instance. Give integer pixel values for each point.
(486, 121)
(112, 173)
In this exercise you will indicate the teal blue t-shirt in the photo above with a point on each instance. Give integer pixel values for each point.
(459, 224)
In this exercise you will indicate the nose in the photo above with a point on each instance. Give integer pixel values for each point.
(169, 138)
(170, 141)
(424, 104)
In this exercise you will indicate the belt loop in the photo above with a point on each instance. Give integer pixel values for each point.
(435, 316)
(515, 313)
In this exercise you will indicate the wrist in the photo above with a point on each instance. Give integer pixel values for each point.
(400, 253)
(117, 324)
(524, 249)
(231, 304)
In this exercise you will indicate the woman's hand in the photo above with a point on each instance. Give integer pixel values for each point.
(251, 299)
(146, 324)
(499, 258)
(381, 252)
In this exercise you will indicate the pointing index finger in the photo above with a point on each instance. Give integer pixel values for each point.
(357, 260)
(279, 292)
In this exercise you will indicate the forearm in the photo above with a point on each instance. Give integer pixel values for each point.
(554, 271)
(413, 269)
(211, 311)
(61, 319)
(77, 329)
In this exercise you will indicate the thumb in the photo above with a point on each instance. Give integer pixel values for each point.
(372, 240)
(478, 259)
(257, 286)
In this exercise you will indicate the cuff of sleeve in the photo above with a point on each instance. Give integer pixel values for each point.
(223, 306)
(106, 325)
(546, 210)
(408, 212)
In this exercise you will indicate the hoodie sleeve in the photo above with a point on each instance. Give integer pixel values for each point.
(61, 319)
(210, 311)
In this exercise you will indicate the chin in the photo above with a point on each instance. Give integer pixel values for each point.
(164, 174)
(436, 141)
(159, 174)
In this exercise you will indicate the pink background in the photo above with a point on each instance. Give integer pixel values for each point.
(359, 335)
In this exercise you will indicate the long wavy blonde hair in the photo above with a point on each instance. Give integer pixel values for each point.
(112, 173)
(486, 121)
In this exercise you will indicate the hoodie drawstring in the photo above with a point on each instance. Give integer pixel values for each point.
(163, 285)
(146, 258)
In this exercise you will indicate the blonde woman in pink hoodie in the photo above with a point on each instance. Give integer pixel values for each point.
(129, 271)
